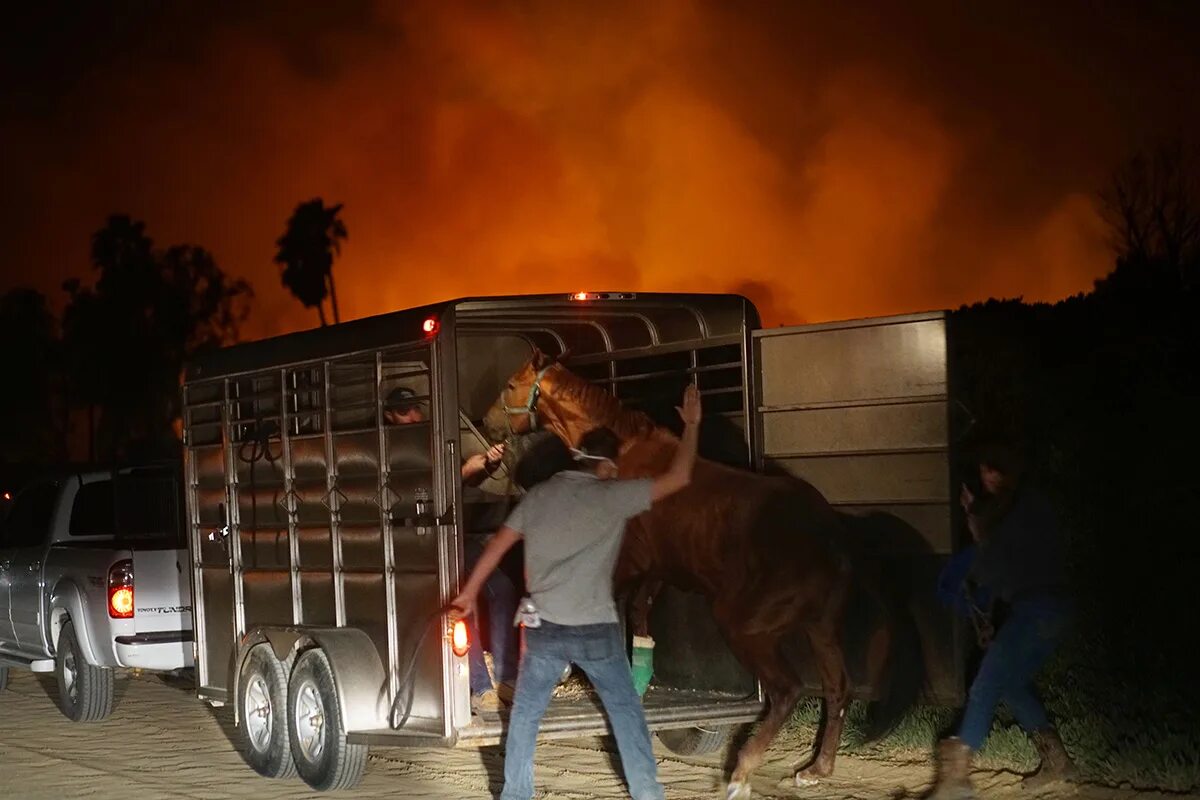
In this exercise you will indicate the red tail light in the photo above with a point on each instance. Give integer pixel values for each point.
(460, 639)
(120, 590)
(430, 326)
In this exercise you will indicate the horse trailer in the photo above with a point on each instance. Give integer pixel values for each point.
(325, 542)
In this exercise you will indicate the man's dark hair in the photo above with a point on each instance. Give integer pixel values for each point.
(400, 399)
(544, 459)
(600, 442)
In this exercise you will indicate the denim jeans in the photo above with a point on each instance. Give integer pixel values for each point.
(599, 651)
(499, 604)
(1022, 646)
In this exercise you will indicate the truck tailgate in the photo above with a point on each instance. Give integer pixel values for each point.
(162, 591)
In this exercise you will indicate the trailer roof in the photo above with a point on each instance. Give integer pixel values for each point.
(619, 320)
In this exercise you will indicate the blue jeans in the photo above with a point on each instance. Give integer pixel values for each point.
(1022, 646)
(600, 652)
(499, 603)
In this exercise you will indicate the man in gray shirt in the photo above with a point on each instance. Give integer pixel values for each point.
(573, 525)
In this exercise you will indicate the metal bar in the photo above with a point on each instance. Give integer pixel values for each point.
(894, 451)
(195, 539)
(233, 512)
(876, 322)
(662, 349)
(385, 530)
(449, 555)
(692, 370)
(525, 323)
(335, 531)
(285, 445)
(866, 403)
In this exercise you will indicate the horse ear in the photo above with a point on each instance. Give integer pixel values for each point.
(563, 356)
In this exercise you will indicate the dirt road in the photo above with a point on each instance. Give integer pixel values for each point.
(163, 743)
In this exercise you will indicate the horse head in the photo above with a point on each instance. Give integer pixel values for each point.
(523, 405)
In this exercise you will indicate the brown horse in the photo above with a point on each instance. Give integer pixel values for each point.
(763, 550)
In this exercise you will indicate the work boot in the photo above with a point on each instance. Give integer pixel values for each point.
(953, 772)
(1056, 765)
(486, 704)
(506, 692)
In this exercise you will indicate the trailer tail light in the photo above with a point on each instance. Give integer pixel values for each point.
(431, 326)
(120, 590)
(460, 639)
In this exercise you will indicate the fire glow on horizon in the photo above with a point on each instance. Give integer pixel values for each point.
(497, 149)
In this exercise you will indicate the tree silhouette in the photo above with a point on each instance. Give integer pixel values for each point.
(306, 250)
(1152, 206)
(126, 338)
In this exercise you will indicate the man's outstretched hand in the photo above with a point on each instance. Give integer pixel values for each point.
(691, 411)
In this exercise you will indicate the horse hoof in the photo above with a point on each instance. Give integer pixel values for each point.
(737, 791)
(806, 778)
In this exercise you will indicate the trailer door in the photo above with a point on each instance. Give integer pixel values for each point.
(861, 411)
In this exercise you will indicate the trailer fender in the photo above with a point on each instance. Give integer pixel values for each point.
(358, 673)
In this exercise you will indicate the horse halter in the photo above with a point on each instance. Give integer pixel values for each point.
(530, 407)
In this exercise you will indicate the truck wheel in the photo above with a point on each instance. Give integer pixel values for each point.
(85, 692)
(694, 741)
(262, 706)
(324, 759)
(3, 678)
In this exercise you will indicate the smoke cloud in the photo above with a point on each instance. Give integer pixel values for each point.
(880, 161)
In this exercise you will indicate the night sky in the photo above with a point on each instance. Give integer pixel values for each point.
(885, 157)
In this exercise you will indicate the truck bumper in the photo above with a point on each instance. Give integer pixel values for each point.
(162, 650)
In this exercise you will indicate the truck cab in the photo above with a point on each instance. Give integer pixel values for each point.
(93, 578)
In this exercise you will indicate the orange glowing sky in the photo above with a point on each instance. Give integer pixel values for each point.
(830, 164)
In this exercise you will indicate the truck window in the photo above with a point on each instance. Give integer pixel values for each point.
(28, 520)
(149, 506)
(92, 512)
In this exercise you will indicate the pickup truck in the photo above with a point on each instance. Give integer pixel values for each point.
(93, 577)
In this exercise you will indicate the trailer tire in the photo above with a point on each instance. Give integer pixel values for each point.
(85, 691)
(3, 678)
(694, 741)
(324, 759)
(262, 708)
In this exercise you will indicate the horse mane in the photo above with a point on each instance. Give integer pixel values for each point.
(601, 406)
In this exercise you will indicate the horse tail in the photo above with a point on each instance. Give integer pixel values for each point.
(880, 637)
(902, 678)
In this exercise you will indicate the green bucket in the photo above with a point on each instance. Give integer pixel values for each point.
(643, 663)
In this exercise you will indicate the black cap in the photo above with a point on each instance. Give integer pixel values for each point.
(400, 399)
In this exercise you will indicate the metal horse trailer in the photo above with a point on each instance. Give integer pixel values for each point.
(325, 542)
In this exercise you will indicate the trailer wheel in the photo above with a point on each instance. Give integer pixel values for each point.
(262, 707)
(324, 759)
(694, 741)
(3, 678)
(85, 691)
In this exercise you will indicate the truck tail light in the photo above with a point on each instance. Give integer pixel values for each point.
(460, 639)
(120, 590)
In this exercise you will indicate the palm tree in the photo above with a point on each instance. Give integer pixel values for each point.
(313, 237)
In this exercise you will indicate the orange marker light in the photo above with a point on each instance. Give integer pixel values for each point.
(460, 640)
(430, 326)
(8, 495)
(580, 296)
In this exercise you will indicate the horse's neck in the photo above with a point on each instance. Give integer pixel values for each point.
(601, 410)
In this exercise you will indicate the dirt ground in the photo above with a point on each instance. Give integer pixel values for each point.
(163, 743)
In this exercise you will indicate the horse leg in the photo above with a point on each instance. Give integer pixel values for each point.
(641, 602)
(831, 663)
(783, 691)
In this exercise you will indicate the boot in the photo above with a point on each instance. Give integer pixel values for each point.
(953, 772)
(1056, 765)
